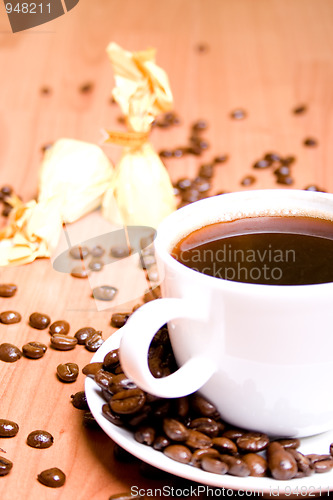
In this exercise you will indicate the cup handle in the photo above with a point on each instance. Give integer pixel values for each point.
(136, 337)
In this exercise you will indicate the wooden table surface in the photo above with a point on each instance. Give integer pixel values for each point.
(265, 57)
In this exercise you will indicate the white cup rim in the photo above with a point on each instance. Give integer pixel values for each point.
(163, 243)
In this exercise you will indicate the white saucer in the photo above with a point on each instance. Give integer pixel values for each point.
(315, 485)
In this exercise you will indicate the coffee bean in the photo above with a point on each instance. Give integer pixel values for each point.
(10, 317)
(79, 400)
(104, 292)
(83, 334)
(68, 372)
(79, 272)
(206, 425)
(238, 114)
(166, 153)
(202, 48)
(9, 353)
(248, 180)
(272, 157)
(7, 190)
(285, 179)
(303, 463)
(121, 382)
(206, 171)
(221, 159)
(128, 401)
(264, 163)
(184, 183)
(145, 435)
(86, 88)
(310, 142)
(252, 441)
(5, 466)
(198, 440)
(224, 445)
(91, 369)
(313, 187)
(161, 442)
(97, 251)
(119, 252)
(39, 321)
(200, 126)
(79, 252)
(103, 379)
(89, 421)
(201, 184)
(281, 463)
(179, 152)
(54, 477)
(63, 342)
(110, 415)
(323, 466)
(288, 160)
(179, 453)
(214, 465)
(96, 265)
(191, 195)
(256, 463)
(7, 290)
(175, 430)
(282, 170)
(202, 406)
(236, 466)
(8, 428)
(316, 457)
(290, 443)
(40, 439)
(299, 110)
(34, 350)
(94, 342)
(60, 326)
(111, 360)
(199, 454)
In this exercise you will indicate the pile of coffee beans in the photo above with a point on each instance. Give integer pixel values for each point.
(190, 430)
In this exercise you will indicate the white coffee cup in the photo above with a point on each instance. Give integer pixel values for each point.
(262, 354)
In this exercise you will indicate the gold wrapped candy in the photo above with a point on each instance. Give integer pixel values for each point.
(140, 192)
(73, 178)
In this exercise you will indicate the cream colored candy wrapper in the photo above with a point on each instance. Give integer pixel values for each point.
(73, 178)
(140, 193)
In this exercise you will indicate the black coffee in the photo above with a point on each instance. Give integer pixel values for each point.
(291, 250)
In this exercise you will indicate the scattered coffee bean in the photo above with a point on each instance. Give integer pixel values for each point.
(299, 110)
(119, 252)
(9, 353)
(5, 466)
(79, 272)
(285, 179)
(282, 170)
(166, 153)
(45, 90)
(8, 428)
(200, 126)
(94, 342)
(104, 292)
(202, 185)
(96, 265)
(179, 152)
(79, 401)
(191, 195)
(310, 142)
(39, 321)
(89, 421)
(40, 439)
(86, 88)
(272, 157)
(7, 190)
(264, 163)
(111, 360)
(68, 372)
(60, 326)
(83, 334)
(221, 159)
(206, 171)
(238, 114)
(79, 252)
(63, 342)
(10, 317)
(34, 350)
(7, 290)
(248, 180)
(288, 160)
(202, 47)
(54, 478)
(184, 183)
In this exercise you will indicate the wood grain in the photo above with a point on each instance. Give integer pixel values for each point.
(265, 57)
